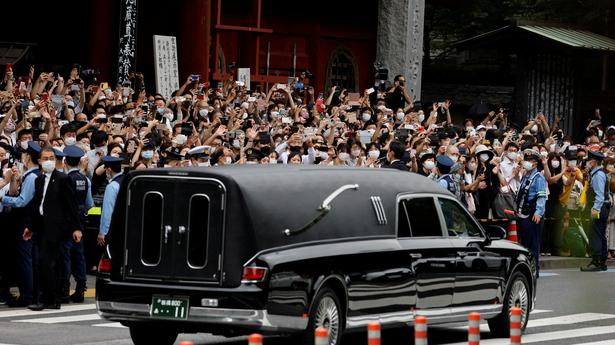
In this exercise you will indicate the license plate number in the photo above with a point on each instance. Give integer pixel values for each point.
(166, 307)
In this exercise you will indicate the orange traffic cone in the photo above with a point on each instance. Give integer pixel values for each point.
(255, 339)
(512, 231)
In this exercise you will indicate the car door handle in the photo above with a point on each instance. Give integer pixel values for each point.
(181, 230)
(167, 231)
(416, 256)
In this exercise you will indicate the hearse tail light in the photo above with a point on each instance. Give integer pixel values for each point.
(253, 274)
(104, 265)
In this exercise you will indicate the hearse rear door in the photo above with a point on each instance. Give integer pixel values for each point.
(149, 224)
(199, 229)
(174, 229)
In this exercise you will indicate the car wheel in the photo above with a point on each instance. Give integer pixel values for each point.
(325, 312)
(147, 335)
(517, 295)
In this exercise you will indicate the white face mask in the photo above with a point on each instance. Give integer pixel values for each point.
(527, 165)
(572, 164)
(555, 164)
(251, 162)
(24, 144)
(371, 131)
(203, 112)
(356, 153)
(512, 155)
(236, 144)
(147, 154)
(400, 116)
(181, 139)
(374, 154)
(275, 114)
(483, 157)
(534, 129)
(469, 129)
(429, 165)
(453, 158)
(421, 117)
(228, 160)
(552, 147)
(273, 161)
(324, 156)
(544, 153)
(48, 166)
(69, 141)
(344, 156)
(366, 117)
(204, 164)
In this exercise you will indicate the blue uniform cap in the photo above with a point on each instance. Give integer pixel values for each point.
(170, 156)
(111, 161)
(445, 161)
(73, 151)
(58, 153)
(34, 147)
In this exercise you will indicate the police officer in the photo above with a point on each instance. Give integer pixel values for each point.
(199, 156)
(113, 169)
(531, 200)
(72, 251)
(597, 207)
(445, 179)
(21, 204)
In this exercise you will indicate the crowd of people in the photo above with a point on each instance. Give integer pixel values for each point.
(94, 133)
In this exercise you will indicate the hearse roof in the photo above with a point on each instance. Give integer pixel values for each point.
(276, 198)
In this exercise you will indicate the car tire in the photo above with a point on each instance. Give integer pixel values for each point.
(517, 294)
(143, 334)
(325, 312)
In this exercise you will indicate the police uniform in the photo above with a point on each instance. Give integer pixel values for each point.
(73, 258)
(254, 156)
(110, 196)
(27, 251)
(598, 200)
(446, 179)
(531, 200)
(168, 156)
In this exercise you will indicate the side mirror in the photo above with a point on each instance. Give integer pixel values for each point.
(495, 232)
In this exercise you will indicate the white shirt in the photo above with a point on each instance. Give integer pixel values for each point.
(506, 167)
(47, 178)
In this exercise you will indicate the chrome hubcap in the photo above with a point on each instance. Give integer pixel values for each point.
(327, 316)
(519, 298)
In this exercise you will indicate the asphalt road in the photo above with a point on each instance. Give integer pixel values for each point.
(572, 308)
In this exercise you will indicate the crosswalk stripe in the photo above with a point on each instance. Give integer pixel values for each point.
(110, 324)
(62, 319)
(550, 336)
(27, 312)
(540, 311)
(558, 320)
(569, 319)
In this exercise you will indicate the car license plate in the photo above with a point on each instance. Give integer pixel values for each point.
(167, 307)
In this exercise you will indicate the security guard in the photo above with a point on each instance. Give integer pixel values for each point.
(21, 204)
(113, 169)
(445, 178)
(531, 200)
(597, 208)
(72, 252)
(253, 156)
(199, 156)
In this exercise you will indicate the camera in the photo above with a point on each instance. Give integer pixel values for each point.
(381, 72)
(224, 120)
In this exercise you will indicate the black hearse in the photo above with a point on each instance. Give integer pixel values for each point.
(281, 249)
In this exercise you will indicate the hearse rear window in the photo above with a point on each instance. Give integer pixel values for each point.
(418, 217)
(151, 241)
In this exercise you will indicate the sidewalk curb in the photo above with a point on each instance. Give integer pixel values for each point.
(559, 262)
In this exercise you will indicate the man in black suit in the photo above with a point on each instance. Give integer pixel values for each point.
(53, 220)
(394, 156)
